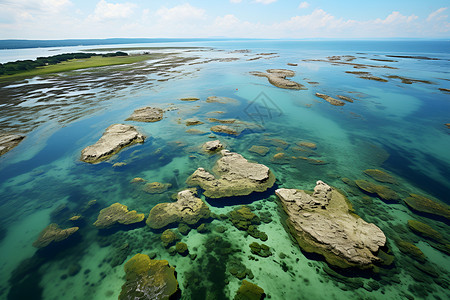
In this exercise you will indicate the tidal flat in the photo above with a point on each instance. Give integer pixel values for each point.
(222, 206)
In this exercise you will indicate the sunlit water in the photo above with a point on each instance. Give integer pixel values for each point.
(390, 125)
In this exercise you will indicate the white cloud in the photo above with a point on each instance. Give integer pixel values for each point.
(396, 17)
(180, 13)
(105, 10)
(265, 1)
(303, 5)
(226, 21)
(437, 14)
(235, 1)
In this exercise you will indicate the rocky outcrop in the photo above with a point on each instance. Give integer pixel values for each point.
(330, 100)
(277, 77)
(249, 291)
(52, 233)
(381, 191)
(147, 114)
(428, 206)
(187, 209)
(9, 141)
(148, 279)
(322, 223)
(117, 213)
(115, 138)
(212, 146)
(234, 176)
(221, 100)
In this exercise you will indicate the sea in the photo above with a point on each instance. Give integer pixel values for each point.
(397, 122)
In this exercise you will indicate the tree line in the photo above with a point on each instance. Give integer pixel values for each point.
(11, 68)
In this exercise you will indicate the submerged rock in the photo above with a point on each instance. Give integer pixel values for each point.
(382, 191)
(330, 100)
(52, 233)
(190, 99)
(146, 114)
(307, 144)
(169, 237)
(187, 209)
(9, 141)
(221, 100)
(277, 77)
(345, 98)
(260, 249)
(426, 231)
(425, 205)
(156, 187)
(411, 250)
(115, 138)
(235, 176)
(212, 146)
(193, 122)
(380, 176)
(249, 291)
(322, 223)
(148, 279)
(224, 129)
(117, 213)
(261, 150)
(243, 217)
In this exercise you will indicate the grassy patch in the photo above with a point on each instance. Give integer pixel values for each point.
(76, 64)
(141, 48)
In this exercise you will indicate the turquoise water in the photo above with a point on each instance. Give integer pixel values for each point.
(390, 125)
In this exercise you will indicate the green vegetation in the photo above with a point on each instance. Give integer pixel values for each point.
(141, 48)
(64, 63)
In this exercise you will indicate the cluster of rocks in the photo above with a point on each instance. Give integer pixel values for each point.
(277, 77)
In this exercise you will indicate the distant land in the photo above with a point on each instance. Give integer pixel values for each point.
(20, 44)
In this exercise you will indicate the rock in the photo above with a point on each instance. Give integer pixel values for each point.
(261, 150)
(260, 249)
(75, 218)
(52, 233)
(243, 217)
(148, 279)
(222, 100)
(120, 254)
(195, 131)
(168, 238)
(249, 291)
(202, 228)
(224, 129)
(425, 205)
(117, 213)
(182, 248)
(292, 64)
(382, 191)
(119, 164)
(277, 142)
(156, 187)
(447, 125)
(330, 100)
(115, 138)
(212, 146)
(235, 176)
(380, 176)
(193, 122)
(345, 98)
(183, 229)
(146, 114)
(9, 141)
(322, 223)
(138, 180)
(306, 144)
(226, 121)
(187, 209)
(426, 231)
(410, 250)
(73, 269)
(277, 77)
(190, 99)
(371, 77)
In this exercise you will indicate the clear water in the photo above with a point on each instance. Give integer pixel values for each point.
(393, 126)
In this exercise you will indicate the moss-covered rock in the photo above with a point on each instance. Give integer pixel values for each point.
(261, 150)
(425, 230)
(148, 279)
(382, 191)
(260, 249)
(187, 209)
(249, 291)
(380, 175)
(182, 248)
(243, 217)
(52, 233)
(425, 205)
(169, 237)
(411, 250)
(184, 229)
(307, 144)
(156, 187)
(117, 213)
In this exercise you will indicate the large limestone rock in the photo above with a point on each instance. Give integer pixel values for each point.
(234, 176)
(187, 209)
(52, 233)
(115, 138)
(212, 146)
(148, 279)
(9, 141)
(277, 77)
(117, 213)
(322, 223)
(147, 114)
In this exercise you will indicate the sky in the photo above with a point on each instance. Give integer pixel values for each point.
(284, 19)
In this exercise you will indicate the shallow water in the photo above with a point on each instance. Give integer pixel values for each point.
(390, 125)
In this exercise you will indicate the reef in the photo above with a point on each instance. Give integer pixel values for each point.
(115, 138)
(9, 141)
(249, 291)
(146, 114)
(422, 204)
(212, 146)
(277, 77)
(52, 233)
(322, 222)
(235, 176)
(380, 176)
(117, 213)
(187, 209)
(382, 191)
(156, 187)
(148, 279)
(330, 99)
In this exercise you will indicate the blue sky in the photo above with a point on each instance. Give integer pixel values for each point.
(63, 19)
